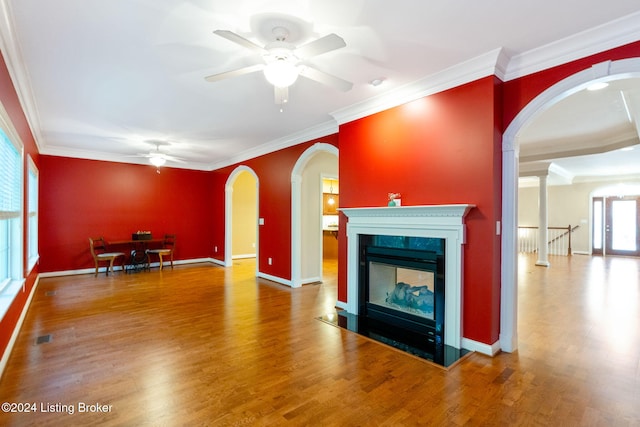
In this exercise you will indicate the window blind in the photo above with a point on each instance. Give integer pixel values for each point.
(10, 179)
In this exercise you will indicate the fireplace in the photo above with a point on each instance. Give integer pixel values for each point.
(401, 286)
(414, 256)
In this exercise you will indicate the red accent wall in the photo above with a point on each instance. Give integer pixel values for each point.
(444, 148)
(441, 149)
(519, 92)
(88, 198)
(274, 194)
(11, 103)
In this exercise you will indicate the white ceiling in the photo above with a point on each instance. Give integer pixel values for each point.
(100, 79)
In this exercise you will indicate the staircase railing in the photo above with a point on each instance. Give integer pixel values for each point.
(559, 239)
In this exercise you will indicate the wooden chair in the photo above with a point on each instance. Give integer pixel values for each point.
(168, 246)
(100, 254)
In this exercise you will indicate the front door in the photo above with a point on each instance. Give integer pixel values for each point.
(621, 226)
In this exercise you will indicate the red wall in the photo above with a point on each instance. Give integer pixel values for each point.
(444, 148)
(518, 93)
(88, 198)
(441, 149)
(274, 176)
(11, 103)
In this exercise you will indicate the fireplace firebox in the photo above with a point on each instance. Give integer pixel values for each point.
(402, 288)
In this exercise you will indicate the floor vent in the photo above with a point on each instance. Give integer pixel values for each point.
(43, 339)
(50, 293)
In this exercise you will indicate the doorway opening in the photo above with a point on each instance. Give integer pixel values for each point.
(616, 222)
(241, 216)
(317, 163)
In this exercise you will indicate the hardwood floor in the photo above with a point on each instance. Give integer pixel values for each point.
(204, 345)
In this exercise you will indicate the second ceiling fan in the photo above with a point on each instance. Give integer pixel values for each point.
(284, 62)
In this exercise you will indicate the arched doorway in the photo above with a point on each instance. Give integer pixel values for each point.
(510, 158)
(241, 215)
(306, 260)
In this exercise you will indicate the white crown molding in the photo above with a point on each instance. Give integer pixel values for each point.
(594, 40)
(110, 157)
(490, 63)
(19, 75)
(319, 131)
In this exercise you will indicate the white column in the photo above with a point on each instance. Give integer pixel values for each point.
(509, 271)
(543, 223)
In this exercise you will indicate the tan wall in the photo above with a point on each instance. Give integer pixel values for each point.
(320, 164)
(567, 205)
(244, 221)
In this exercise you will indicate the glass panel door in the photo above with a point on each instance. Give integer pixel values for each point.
(621, 226)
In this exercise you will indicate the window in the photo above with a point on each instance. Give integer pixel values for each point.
(10, 210)
(32, 205)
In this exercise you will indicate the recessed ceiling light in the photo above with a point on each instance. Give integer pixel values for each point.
(597, 86)
(377, 82)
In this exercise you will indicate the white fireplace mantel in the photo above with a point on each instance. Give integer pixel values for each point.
(439, 221)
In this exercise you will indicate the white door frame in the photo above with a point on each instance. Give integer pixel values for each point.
(296, 207)
(605, 71)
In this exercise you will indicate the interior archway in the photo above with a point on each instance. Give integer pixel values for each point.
(301, 274)
(610, 70)
(248, 214)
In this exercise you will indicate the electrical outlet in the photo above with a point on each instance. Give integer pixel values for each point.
(270, 261)
(215, 249)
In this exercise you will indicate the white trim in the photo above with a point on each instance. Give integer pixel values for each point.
(92, 270)
(309, 280)
(608, 70)
(489, 350)
(296, 208)
(274, 278)
(439, 221)
(488, 64)
(341, 305)
(16, 330)
(243, 256)
(315, 132)
(604, 37)
(20, 77)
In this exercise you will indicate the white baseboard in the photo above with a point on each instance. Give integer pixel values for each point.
(274, 278)
(341, 305)
(243, 256)
(581, 253)
(16, 330)
(101, 269)
(489, 350)
(309, 280)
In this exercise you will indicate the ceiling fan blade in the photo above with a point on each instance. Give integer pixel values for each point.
(320, 46)
(324, 78)
(173, 159)
(238, 39)
(281, 95)
(234, 73)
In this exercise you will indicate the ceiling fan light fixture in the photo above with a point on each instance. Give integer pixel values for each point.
(281, 73)
(597, 86)
(157, 161)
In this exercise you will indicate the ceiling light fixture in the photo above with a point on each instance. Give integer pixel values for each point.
(331, 200)
(157, 160)
(377, 82)
(281, 73)
(597, 86)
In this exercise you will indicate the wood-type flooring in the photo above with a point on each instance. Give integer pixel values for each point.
(205, 345)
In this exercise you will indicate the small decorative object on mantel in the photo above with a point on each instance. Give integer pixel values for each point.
(141, 235)
(394, 199)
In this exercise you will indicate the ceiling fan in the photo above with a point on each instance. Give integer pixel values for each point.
(284, 62)
(158, 158)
